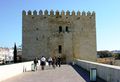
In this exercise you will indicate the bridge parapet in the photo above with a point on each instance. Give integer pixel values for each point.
(109, 73)
(8, 71)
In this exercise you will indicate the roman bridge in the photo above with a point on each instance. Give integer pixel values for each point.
(21, 72)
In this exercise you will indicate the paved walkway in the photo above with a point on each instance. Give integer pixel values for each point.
(66, 73)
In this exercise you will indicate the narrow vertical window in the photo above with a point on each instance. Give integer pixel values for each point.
(67, 29)
(60, 49)
(36, 38)
(36, 28)
(60, 29)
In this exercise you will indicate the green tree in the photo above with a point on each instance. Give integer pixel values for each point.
(116, 55)
(103, 54)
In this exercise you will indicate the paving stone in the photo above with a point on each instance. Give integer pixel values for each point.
(65, 73)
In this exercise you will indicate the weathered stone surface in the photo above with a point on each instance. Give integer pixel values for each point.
(63, 74)
(41, 36)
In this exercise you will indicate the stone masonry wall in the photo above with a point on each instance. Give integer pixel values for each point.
(41, 35)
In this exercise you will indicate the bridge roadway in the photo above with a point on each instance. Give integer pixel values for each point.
(66, 73)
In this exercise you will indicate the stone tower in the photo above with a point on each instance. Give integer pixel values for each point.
(66, 34)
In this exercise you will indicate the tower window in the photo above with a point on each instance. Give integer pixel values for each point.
(32, 17)
(44, 17)
(67, 29)
(60, 49)
(36, 38)
(60, 29)
(36, 28)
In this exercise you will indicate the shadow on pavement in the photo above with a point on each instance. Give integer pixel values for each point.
(85, 74)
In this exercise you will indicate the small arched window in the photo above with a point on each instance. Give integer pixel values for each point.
(37, 38)
(60, 29)
(60, 49)
(36, 28)
(67, 30)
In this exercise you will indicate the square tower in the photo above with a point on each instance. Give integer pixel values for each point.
(59, 34)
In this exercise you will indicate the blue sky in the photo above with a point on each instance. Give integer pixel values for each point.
(107, 19)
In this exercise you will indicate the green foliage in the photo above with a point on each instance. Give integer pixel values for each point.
(116, 55)
(103, 54)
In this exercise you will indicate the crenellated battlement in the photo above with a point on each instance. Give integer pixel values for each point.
(57, 13)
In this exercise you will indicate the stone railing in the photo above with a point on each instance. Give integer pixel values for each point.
(109, 73)
(8, 71)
